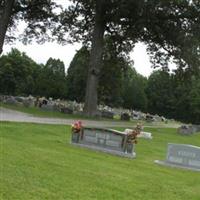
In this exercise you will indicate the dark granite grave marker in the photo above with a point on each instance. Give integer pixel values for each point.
(125, 117)
(183, 156)
(106, 140)
(66, 110)
(107, 114)
(188, 129)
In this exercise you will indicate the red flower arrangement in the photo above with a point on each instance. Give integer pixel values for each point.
(76, 127)
(132, 136)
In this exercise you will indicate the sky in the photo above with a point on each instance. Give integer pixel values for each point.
(41, 53)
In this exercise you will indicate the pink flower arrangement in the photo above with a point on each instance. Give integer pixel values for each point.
(77, 126)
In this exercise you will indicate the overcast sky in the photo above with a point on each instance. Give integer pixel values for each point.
(41, 53)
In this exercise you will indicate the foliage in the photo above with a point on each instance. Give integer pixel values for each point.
(133, 92)
(187, 92)
(119, 84)
(195, 100)
(169, 28)
(160, 93)
(20, 75)
(17, 72)
(51, 81)
(175, 95)
(39, 17)
(77, 75)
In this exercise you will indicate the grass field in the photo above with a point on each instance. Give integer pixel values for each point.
(38, 162)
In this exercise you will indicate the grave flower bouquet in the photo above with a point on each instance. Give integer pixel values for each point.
(76, 127)
(132, 136)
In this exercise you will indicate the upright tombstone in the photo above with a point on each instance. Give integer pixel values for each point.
(107, 114)
(182, 156)
(106, 140)
(125, 117)
(185, 130)
(66, 110)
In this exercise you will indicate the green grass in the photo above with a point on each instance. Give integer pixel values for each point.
(38, 162)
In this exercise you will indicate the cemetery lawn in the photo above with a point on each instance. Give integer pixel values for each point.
(38, 162)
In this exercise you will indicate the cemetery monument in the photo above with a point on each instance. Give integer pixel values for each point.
(182, 156)
(106, 140)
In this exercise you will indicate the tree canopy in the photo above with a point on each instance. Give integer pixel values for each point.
(20, 75)
(169, 28)
(40, 18)
(119, 83)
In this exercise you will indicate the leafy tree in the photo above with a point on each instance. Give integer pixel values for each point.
(20, 75)
(186, 98)
(51, 81)
(133, 92)
(16, 73)
(109, 87)
(111, 75)
(119, 84)
(160, 93)
(77, 75)
(39, 16)
(7, 77)
(169, 28)
(195, 100)
(175, 95)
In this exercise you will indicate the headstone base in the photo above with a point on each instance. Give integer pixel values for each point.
(168, 164)
(127, 155)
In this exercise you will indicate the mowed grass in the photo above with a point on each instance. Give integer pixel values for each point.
(38, 162)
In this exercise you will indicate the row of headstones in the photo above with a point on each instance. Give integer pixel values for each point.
(127, 116)
(72, 107)
(25, 101)
(67, 107)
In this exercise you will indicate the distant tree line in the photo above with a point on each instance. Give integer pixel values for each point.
(175, 95)
(20, 75)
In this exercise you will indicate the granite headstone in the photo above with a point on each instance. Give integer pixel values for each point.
(106, 140)
(182, 156)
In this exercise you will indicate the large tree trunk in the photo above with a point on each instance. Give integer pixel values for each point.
(91, 98)
(5, 14)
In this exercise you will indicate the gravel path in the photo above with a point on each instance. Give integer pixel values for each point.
(16, 116)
